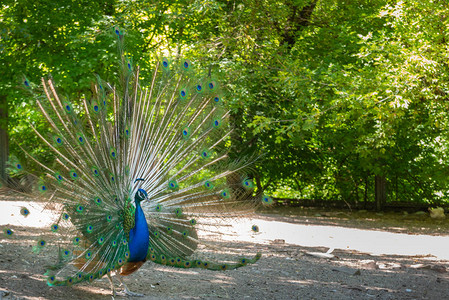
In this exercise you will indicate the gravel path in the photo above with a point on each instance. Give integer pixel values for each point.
(286, 270)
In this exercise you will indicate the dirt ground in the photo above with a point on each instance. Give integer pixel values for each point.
(284, 271)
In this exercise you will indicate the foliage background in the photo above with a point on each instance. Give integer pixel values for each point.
(337, 94)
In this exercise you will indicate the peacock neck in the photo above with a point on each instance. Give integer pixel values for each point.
(139, 215)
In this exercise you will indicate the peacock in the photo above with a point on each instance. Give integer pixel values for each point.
(141, 172)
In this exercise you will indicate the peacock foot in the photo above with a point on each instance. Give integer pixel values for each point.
(128, 293)
(125, 293)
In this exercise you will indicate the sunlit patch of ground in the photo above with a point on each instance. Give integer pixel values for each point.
(376, 242)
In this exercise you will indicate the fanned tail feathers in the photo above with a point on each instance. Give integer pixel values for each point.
(174, 135)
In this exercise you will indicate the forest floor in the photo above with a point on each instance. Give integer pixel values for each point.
(286, 270)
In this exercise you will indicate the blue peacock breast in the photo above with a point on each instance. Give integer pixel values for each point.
(139, 236)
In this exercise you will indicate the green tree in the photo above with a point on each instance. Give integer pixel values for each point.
(334, 93)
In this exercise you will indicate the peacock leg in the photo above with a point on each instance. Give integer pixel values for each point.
(112, 286)
(127, 292)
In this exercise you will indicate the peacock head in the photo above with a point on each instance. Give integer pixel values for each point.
(140, 195)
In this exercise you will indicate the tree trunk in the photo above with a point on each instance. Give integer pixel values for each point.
(236, 151)
(4, 145)
(365, 196)
(380, 191)
(299, 18)
(260, 189)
